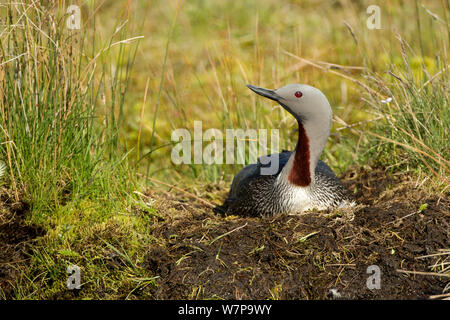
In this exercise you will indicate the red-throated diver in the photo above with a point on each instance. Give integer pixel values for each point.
(300, 181)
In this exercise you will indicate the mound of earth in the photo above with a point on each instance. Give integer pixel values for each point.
(317, 255)
(15, 238)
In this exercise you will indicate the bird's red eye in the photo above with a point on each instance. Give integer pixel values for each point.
(298, 94)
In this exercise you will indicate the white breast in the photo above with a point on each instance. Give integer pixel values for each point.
(299, 199)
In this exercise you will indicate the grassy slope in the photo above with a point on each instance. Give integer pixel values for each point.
(216, 48)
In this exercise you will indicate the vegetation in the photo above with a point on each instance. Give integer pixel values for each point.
(86, 115)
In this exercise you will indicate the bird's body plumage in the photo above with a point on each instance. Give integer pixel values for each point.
(254, 194)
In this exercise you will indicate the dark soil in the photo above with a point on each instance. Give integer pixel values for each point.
(15, 238)
(199, 254)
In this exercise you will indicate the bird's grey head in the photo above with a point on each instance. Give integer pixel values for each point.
(304, 102)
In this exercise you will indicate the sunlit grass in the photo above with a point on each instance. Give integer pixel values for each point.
(61, 107)
(219, 46)
(56, 132)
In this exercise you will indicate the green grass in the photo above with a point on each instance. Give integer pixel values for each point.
(83, 113)
(61, 110)
(414, 126)
(218, 47)
(59, 142)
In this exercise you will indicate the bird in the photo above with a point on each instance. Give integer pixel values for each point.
(297, 181)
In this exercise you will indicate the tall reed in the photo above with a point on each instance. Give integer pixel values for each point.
(61, 102)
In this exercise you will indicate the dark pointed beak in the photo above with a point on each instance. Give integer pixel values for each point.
(265, 92)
